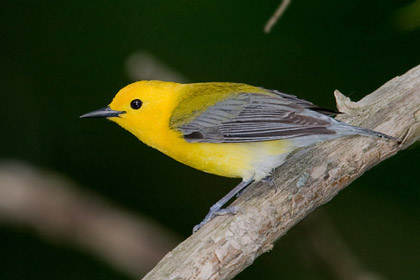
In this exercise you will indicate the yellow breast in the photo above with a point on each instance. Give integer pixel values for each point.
(151, 124)
(238, 160)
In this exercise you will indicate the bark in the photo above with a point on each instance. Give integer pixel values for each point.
(309, 178)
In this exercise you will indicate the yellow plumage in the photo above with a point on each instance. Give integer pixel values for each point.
(228, 129)
(163, 101)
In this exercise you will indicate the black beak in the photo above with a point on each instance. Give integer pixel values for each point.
(103, 113)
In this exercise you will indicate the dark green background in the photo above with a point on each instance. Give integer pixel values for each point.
(60, 59)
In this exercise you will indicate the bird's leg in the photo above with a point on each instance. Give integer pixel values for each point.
(269, 180)
(239, 193)
(217, 210)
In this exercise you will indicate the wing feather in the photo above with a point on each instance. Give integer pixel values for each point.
(253, 117)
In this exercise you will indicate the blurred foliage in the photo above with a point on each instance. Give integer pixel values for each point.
(408, 17)
(62, 59)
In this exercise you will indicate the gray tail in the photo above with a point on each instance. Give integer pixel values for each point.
(368, 132)
(352, 130)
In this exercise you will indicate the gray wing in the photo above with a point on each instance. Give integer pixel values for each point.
(251, 117)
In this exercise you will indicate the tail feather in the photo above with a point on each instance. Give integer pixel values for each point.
(369, 132)
(346, 129)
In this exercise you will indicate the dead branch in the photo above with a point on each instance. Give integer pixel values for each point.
(310, 178)
(277, 14)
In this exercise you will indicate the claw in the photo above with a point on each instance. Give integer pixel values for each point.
(270, 180)
(216, 209)
(213, 213)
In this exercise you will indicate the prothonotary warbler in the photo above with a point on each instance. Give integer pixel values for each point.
(227, 129)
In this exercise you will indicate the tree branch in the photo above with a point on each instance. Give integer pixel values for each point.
(277, 14)
(310, 177)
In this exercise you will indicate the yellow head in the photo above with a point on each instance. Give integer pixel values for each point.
(141, 107)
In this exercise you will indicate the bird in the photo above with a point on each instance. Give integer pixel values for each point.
(227, 129)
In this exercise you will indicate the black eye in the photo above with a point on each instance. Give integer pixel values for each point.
(136, 104)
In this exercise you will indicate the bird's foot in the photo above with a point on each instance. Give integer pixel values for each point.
(216, 212)
(270, 181)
